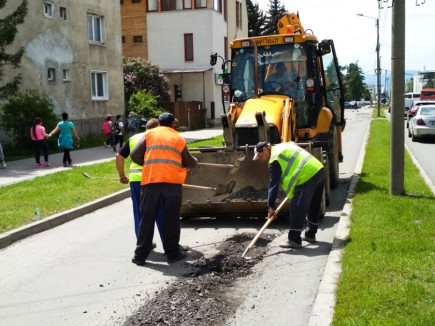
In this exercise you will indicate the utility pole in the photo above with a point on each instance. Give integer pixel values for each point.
(378, 63)
(397, 133)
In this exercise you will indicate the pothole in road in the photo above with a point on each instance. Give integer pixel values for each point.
(201, 298)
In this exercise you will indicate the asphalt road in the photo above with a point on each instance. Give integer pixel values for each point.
(80, 273)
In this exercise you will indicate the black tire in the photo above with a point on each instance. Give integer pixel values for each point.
(414, 138)
(333, 156)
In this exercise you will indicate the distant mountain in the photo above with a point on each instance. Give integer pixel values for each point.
(370, 79)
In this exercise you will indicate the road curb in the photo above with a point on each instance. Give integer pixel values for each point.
(50, 222)
(323, 307)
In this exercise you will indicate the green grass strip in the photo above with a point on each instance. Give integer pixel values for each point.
(388, 269)
(57, 192)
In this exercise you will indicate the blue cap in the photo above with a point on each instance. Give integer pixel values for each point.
(166, 118)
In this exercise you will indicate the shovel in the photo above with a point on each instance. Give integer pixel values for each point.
(219, 190)
(234, 167)
(269, 220)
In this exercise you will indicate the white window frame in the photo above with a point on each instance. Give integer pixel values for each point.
(93, 35)
(63, 14)
(66, 75)
(94, 85)
(51, 74)
(48, 9)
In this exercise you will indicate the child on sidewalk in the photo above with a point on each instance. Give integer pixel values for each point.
(38, 135)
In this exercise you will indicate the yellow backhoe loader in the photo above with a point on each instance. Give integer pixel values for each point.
(284, 87)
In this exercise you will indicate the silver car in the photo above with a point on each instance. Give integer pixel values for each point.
(422, 123)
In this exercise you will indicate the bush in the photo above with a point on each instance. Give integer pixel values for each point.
(18, 113)
(147, 103)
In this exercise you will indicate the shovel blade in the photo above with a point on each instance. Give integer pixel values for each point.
(223, 189)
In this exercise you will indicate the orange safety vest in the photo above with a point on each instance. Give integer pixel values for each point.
(162, 159)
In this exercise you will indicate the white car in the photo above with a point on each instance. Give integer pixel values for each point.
(422, 123)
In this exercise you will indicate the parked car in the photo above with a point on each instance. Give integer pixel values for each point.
(413, 109)
(423, 122)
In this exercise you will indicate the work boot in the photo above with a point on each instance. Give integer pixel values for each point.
(2, 164)
(138, 262)
(290, 244)
(176, 257)
(310, 239)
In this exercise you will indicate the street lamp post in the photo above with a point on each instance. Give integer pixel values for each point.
(378, 62)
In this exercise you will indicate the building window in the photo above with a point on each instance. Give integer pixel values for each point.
(51, 74)
(200, 3)
(135, 1)
(225, 10)
(95, 29)
(62, 13)
(187, 4)
(188, 47)
(152, 5)
(238, 14)
(66, 75)
(137, 39)
(48, 9)
(123, 39)
(99, 87)
(217, 5)
(121, 2)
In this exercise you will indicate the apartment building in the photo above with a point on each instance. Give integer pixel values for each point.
(179, 36)
(73, 54)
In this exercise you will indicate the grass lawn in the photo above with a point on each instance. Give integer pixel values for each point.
(388, 265)
(57, 192)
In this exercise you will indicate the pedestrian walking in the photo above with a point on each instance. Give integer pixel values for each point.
(132, 124)
(142, 122)
(302, 178)
(165, 159)
(38, 136)
(106, 130)
(134, 175)
(117, 132)
(65, 141)
(2, 158)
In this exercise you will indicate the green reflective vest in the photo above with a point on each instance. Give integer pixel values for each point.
(135, 172)
(297, 165)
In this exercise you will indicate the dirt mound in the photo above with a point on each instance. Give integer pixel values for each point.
(201, 297)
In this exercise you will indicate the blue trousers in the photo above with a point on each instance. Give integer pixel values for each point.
(135, 198)
(305, 206)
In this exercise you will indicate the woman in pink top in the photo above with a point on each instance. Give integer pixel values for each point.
(38, 135)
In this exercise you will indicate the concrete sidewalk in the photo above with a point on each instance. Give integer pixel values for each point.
(21, 170)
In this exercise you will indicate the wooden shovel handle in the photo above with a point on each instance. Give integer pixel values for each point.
(269, 220)
(198, 187)
(216, 165)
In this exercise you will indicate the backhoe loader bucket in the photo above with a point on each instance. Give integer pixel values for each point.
(247, 184)
(245, 190)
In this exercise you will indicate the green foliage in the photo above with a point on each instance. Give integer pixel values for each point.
(256, 19)
(409, 86)
(354, 81)
(8, 30)
(140, 74)
(274, 13)
(430, 84)
(146, 102)
(18, 113)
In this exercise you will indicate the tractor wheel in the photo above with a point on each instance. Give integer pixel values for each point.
(333, 156)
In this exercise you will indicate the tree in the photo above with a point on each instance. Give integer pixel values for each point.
(256, 19)
(147, 103)
(430, 84)
(409, 86)
(8, 30)
(140, 74)
(274, 13)
(354, 81)
(19, 112)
